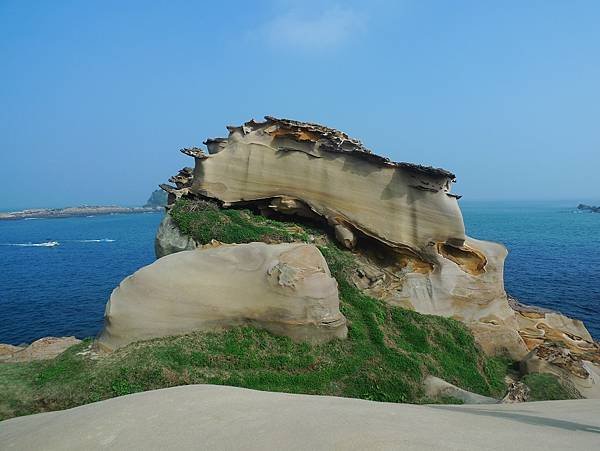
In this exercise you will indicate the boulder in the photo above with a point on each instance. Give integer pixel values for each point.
(170, 240)
(436, 388)
(284, 288)
(499, 340)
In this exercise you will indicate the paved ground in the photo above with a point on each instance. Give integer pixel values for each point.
(222, 418)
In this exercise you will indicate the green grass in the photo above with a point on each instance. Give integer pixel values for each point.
(547, 387)
(388, 352)
(205, 221)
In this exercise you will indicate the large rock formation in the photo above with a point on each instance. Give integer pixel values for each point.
(284, 288)
(403, 212)
(400, 219)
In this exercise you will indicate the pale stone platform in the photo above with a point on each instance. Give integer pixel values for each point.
(228, 418)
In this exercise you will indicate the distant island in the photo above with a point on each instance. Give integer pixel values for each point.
(590, 208)
(84, 210)
(158, 198)
(156, 202)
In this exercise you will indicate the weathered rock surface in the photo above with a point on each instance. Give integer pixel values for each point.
(401, 216)
(496, 339)
(42, 349)
(334, 177)
(574, 369)
(227, 418)
(170, 240)
(517, 392)
(284, 288)
(401, 220)
(6, 351)
(436, 388)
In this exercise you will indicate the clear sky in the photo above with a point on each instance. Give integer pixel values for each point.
(96, 97)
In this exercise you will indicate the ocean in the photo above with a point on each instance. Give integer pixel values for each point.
(62, 290)
(57, 274)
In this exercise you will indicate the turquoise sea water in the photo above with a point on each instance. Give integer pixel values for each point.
(554, 262)
(554, 253)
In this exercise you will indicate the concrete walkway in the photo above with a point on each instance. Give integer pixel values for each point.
(227, 418)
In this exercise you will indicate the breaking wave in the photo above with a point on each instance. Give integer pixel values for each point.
(101, 240)
(44, 244)
(53, 243)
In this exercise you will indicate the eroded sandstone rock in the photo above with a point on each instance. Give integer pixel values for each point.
(400, 219)
(284, 288)
(578, 370)
(499, 340)
(334, 177)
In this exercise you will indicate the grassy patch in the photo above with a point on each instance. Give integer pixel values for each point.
(205, 221)
(388, 352)
(546, 387)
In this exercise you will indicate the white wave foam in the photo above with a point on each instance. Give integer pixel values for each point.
(101, 240)
(44, 244)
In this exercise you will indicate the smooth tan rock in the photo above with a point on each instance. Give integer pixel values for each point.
(219, 418)
(499, 340)
(284, 288)
(436, 388)
(336, 177)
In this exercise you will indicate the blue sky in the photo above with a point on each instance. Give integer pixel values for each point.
(97, 97)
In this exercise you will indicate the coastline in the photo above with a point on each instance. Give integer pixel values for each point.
(69, 212)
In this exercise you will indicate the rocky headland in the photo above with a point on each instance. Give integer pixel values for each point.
(401, 223)
(158, 198)
(292, 258)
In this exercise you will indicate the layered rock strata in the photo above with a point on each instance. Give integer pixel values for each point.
(284, 288)
(401, 220)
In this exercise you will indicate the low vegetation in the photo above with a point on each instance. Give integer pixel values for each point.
(388, 352)
(546, 387)
(205, 221)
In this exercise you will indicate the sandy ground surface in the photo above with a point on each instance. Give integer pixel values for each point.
(224, 418)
